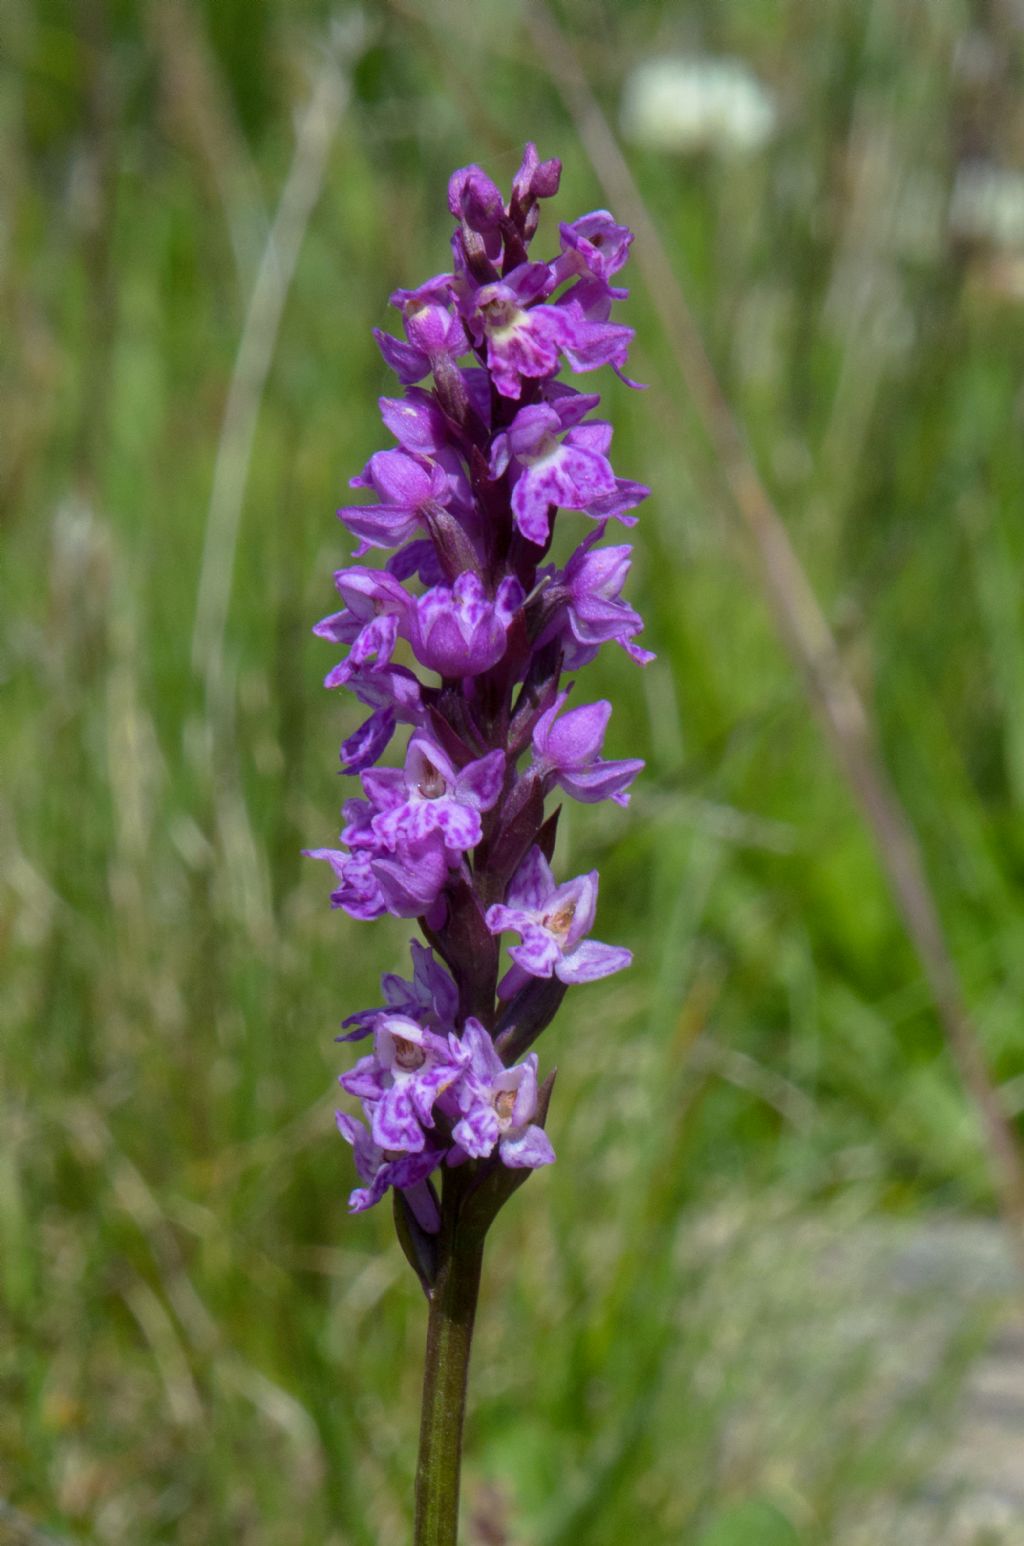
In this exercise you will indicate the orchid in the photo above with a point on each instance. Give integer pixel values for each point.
(462, 637)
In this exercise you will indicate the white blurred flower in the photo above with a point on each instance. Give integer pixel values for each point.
(988, 204)
(691, 102)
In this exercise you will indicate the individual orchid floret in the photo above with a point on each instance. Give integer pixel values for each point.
(552, 470)
(535, 179)
(380, 1171)
(395, 696)
(375, 606)
(594, 247)
(567, 752)
(412, 875)
(588, 339)
(498, 1106)
(520, 343)
(475, 200)
(357, 892)
(409, 487)
(405, 881)
(431, 794)
(460, 631)
(436, 336)
(552, 922)
(431, 998)
(406, 1073)
(585, 604)
(524, 340)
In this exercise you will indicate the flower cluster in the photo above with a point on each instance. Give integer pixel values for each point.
(465, 505)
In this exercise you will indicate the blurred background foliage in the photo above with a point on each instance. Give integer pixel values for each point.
(196, 1343)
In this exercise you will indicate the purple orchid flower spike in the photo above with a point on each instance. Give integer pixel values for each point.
(567, 749)
(460, 638)
(552, 922)
(498, 1106)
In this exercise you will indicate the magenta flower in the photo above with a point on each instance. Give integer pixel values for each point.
(567, 752)
(375, 606)
(405, 881)
(461, 631)
(408, 1070)
(552, 922)
(585, 605)
(552, 469)
(593, 247)
(431, 794)
(523, 340)
(498, 1106)
(408, 487)
(435, 334)
(379, 1170)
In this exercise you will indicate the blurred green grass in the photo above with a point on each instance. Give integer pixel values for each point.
(197, 1344)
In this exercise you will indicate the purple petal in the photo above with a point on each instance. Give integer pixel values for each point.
(527, 1150)
(367, 1080)
(480, 783)
(363, 747)
(591, 960)
(538, 954)
(478, 1131)
(460, 825)
(575, 739)
(394, 1124)
(416, 421)
(601, 781)
(500, 919)
(476, 1042)
(385, 787)
(576, 899)
(408, 363)
(532, 884)
(379, 526)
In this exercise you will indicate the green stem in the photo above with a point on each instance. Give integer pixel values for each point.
(449, 1336)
